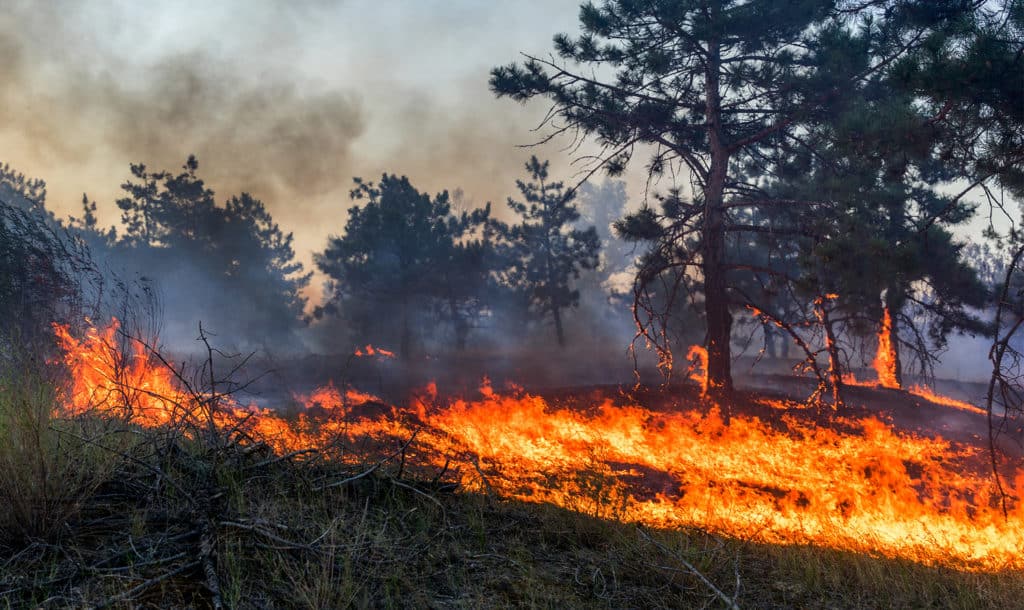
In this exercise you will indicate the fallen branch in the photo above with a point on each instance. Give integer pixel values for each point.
(373, 468)
(730, 602)
(134, 591)
(207, 545)
(296, 546)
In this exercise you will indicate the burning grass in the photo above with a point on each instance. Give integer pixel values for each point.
(348, 499)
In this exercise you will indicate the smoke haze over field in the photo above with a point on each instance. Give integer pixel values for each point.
(288, 102)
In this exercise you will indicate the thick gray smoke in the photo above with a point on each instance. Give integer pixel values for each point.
(287, 101)
(73, 99)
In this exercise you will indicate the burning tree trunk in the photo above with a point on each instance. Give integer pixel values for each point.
(887, 358)
(835, 372)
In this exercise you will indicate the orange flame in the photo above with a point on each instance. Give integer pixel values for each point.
(931, 395)
(870, 489)
(861, 485)
(370, 350)
(698, 356)
(122, 381)
(885, 358)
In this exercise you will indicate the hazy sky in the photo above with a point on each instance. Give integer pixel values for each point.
(288, 103)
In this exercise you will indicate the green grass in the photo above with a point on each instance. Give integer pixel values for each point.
(48, 468)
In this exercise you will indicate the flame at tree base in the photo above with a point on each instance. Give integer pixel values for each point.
(886, 358)
(857, 485)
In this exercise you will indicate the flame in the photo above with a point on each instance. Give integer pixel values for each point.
(885, 358)
(698, 356)
(119, 379)
(370, 350)
(870, 488)
(931, 395)
(857, 485)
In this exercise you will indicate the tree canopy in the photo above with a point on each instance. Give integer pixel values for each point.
(716, 92)
(387, 266)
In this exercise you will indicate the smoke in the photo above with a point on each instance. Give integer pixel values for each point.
(285, 102)
(71, 100)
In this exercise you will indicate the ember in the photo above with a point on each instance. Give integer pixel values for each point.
(370, 350)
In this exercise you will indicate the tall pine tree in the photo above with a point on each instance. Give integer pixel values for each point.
(705, 83)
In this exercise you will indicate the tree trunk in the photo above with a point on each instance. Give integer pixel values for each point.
(460, 326)
(558, 326)
(835, 371)
(894, 297)
(716, 297)
(769, 340)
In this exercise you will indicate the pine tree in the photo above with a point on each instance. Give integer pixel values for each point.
(881, 242)
(549, 253)
(175, 232)
(395, 259)
(705, 84)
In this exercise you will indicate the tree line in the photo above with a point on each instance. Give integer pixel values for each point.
(403, 262)
(820, 161)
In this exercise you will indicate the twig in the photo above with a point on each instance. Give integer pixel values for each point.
(420, 492)
(281, 458)
(131, 593)
(207, 545)
(255, 528)
(487, 484)
(730, 602)
(373, 468)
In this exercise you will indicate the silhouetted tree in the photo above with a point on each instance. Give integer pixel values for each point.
(43, 269)
(967, 78)
(470, 283)
(880, 240)
(260, 259)
(401, 254)
(163, 209)
(231, 263)
(549, 253)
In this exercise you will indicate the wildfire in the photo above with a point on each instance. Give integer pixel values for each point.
(698, 357)
(112, 373)
(886, 356)
(930, 395)
(860, 485)
(370, 350)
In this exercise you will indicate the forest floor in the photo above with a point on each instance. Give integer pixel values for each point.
(183, 523)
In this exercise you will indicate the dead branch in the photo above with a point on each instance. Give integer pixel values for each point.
(375, 467)
(132, 593)
(1000, 353)
(730, 602)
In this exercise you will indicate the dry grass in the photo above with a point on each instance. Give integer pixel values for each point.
(397, 543)
(105, 515)
(48, 468)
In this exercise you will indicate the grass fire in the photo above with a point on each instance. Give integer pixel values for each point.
(745, 330)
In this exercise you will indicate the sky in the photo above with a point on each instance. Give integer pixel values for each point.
(288, 101)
